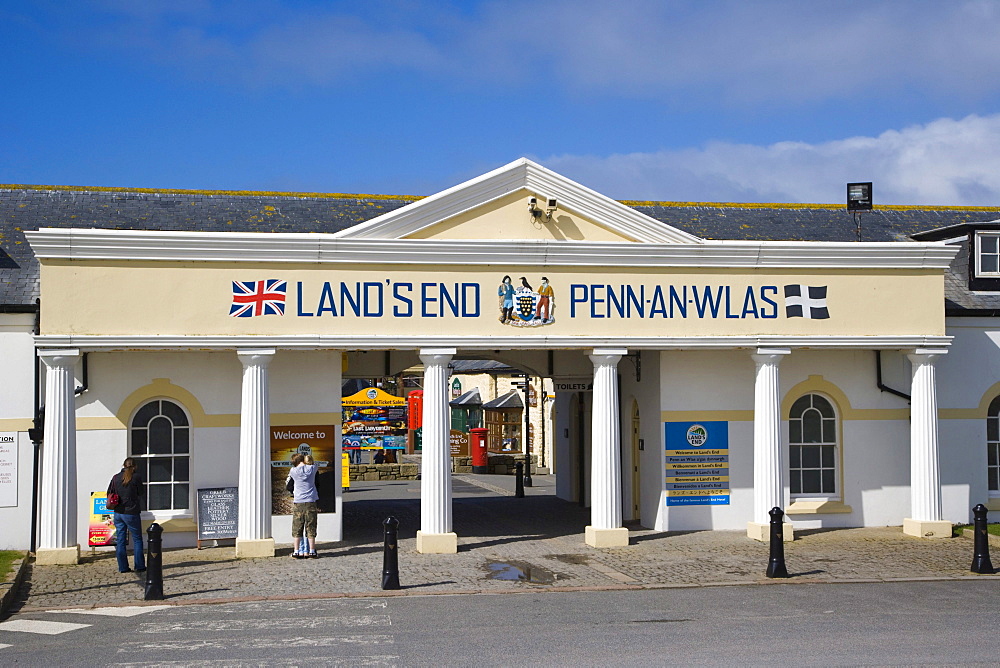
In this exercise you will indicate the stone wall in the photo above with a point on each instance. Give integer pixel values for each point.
(384, 471)
(498, 464)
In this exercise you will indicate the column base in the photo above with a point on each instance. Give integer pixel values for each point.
(57, 556)
(437, 543)
(247, 548)
(762, 532)
(606, 537)
(927, 528)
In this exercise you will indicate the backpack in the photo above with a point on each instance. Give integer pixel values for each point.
(113, 498)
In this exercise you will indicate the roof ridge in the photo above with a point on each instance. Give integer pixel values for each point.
(184, 191)
(414, 198)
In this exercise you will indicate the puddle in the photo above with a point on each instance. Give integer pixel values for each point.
(519, 571)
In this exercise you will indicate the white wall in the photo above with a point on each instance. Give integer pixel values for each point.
(17, 359)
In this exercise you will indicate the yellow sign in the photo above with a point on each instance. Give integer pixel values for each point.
(102, 521)
(345, 471)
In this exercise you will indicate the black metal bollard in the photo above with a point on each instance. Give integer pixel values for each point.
(390, 555)
(154, 563)
(527, 469)
(981, 558)
(519, 480)
(776, 565)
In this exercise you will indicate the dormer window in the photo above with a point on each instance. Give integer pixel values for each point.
(988, 254)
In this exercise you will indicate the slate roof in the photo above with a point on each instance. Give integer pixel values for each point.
(32, 207)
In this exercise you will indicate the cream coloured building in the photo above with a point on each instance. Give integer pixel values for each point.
(698, 383)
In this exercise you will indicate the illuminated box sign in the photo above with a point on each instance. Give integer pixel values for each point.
(697, 463)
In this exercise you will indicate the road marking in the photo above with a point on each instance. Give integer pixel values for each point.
(282, 607)
(39, 626)
(259, 643)
(374, 661)
(2, 645)
(123, 611)
(266, 624)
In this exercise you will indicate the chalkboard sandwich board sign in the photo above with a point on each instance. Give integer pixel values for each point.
(218, 513)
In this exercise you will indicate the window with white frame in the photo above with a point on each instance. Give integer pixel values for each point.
(988, 254)
(812, 447)
(993, 447)
(159, 437)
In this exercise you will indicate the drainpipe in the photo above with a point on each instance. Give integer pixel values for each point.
(35, 434)
(878, 378)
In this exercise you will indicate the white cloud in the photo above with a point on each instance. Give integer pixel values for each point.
(733, 51)
(946, 162)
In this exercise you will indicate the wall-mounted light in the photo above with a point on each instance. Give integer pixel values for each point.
(538, 213)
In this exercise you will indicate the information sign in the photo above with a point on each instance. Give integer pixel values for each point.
(8, 468)
(697, 463)
(218, 513)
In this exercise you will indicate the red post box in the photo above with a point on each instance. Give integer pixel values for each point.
(480, 457)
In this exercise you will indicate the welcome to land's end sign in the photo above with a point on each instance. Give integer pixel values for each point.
(218, 299)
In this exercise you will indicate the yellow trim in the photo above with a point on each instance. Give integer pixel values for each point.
(817, 508)
(173, 525)
(16, 424)
(980, 412)
(98, 423)
(162, 387)
(706, 416)
(816, 384)
(293, 419)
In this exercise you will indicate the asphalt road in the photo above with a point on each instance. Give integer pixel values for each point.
(912, 623)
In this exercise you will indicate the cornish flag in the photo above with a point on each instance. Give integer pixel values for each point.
(252, 298)
(806, 301)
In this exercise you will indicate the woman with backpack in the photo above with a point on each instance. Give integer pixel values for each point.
(128, 486)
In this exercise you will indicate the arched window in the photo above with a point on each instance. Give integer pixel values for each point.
(993, 447)
(160, 444)
(812, 447)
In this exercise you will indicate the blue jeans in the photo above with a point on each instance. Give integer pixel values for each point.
(133, 524)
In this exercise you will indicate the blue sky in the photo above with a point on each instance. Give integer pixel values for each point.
(694, 100)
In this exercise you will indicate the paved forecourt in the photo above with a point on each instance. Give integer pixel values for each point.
(506, 544)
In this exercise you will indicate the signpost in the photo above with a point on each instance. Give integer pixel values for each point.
(218, 513)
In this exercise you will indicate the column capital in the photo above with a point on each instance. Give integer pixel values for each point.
(925, 355)
(604, 356)
(62, 357)
(255, 356)
(437, 355)
(772, 352)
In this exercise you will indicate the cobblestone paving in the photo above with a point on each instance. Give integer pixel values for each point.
(539, 536)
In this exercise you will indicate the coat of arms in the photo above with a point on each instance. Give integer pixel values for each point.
(523, 306)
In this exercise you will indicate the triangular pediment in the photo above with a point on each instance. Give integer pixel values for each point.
(497, 206)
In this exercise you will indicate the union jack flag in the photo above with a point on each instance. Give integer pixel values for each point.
(252, 298)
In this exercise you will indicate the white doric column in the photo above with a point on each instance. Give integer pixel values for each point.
(768, 463)
(254, 526)
(435, 535)
(606, 528)
(925, 471)
(57, 543)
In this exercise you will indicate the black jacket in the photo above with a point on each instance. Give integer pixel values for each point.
(130, 495)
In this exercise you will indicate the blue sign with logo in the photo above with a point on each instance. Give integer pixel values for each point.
(697, 463)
